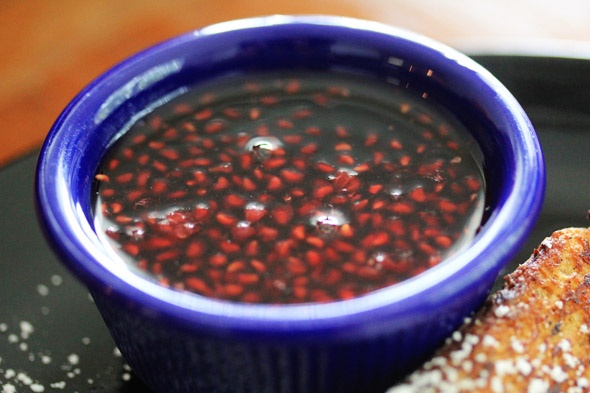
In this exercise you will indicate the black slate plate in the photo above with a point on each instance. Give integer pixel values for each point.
(52, 339)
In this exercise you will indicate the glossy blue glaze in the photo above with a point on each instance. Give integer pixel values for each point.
(198, 344)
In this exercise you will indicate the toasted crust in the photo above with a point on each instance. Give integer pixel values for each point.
(531, 336)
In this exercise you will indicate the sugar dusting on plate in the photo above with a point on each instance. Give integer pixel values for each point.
(27, 339)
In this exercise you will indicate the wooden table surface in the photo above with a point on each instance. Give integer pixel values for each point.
(52, 49)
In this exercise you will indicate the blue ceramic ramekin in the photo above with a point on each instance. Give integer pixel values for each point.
(180, 342)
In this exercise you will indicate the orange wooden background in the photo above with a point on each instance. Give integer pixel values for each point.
(51, 49)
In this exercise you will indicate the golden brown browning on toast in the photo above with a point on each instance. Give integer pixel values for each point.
(532, 336)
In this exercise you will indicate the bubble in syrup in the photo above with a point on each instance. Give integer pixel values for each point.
(327, 221)
(254, 211)
(396, 193)
(262, 147)
(243, 230)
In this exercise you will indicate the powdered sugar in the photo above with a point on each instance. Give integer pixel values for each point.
(29, 354)
(501, 311)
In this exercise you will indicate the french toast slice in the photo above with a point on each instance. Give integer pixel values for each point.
(531, 336)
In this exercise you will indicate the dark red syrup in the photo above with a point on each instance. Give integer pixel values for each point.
(289, 189)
